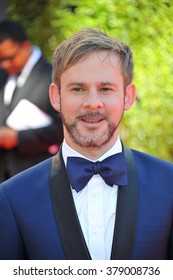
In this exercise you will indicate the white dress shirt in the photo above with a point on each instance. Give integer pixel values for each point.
(96, 208)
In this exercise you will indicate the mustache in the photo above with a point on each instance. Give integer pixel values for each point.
(92, 115)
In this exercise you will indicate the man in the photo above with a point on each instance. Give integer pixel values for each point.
(29, 129)
(95, 199)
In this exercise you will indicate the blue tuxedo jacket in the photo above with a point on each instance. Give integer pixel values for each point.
(38, 219)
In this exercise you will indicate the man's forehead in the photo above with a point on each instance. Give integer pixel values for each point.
(103, 56)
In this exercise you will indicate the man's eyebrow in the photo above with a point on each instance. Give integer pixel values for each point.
(74, 84)
(108, 83)
(80, 84)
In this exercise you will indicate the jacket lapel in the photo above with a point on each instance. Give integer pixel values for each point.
(127, 209)
(65, 213)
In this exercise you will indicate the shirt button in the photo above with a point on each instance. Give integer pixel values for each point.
(95, 231)
(93, 194)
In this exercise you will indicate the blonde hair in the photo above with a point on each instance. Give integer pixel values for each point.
(85, 42)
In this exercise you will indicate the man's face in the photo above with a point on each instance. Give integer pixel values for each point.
(92, 102)
(13, 56)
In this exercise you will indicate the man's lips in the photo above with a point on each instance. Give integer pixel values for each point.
(92, 120)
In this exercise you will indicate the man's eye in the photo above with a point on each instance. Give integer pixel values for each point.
(77, 89)
(105, 89)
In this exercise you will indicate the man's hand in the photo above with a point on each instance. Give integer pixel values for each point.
(8, 138)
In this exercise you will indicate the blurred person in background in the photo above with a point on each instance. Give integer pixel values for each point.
(30, 129)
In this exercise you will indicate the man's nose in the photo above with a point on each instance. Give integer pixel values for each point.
(93, 100)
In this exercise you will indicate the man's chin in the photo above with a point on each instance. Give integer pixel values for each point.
(91, 143)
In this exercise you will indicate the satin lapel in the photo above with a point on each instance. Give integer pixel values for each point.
(126, 215)
(65, 213)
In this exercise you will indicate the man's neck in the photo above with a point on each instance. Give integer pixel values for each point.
(92, 153)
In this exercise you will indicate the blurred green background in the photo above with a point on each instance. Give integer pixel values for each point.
(147, 26)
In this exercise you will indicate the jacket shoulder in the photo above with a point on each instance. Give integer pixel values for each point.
(152, 166)
(34, 177)
(150, 158)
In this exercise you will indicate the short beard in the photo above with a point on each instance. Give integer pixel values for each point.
(91, 143)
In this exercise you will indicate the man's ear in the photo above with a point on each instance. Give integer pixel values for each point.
(54, 96)
(130, 96)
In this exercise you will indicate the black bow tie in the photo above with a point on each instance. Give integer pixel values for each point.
(113, 170)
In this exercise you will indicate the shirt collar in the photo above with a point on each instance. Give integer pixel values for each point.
(35, 56)
(67, 151)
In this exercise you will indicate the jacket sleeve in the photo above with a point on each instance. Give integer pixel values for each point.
(36, 141)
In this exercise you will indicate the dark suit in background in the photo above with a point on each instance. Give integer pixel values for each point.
(33, 144)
